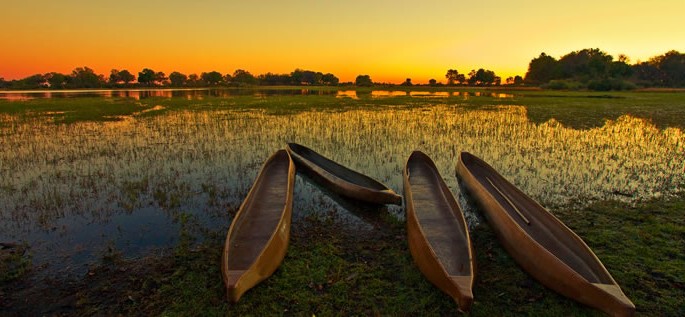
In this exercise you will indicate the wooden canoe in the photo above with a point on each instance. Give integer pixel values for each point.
(341, 179)
(438, 236)
(257, 240)
(367, 212)
(539, 242)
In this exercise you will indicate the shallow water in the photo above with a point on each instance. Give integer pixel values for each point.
(75, 192)
(199, 93)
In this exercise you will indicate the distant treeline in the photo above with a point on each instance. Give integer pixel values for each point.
(585, 69)
(85, 77)
(596, 70)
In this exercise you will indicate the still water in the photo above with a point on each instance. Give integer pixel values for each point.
(75, 192)
(200, 93)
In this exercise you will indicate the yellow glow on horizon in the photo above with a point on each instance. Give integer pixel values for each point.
(388, 40)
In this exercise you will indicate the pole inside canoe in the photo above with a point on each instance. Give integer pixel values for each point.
(508, 201)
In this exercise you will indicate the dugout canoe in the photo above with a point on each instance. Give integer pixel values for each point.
(437, 232)
(341, 179)
(539, 242)
(257, 240)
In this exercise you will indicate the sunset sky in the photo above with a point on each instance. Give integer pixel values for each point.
(388, 40)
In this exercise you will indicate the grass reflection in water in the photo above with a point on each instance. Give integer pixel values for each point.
(202, 162)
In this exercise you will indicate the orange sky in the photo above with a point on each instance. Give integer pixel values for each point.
(388, 40)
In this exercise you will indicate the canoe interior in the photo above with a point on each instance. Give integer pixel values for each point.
(335, 168)
(260, 216)
(435, 210)
(543, 227)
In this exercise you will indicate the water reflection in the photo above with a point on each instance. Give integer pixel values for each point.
(59, 181)
(138, 94)
(347, 94)
(441, 94)
(200, 93)
(387, 93)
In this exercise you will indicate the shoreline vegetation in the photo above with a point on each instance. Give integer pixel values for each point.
(375, 87)
(576, 109)
(330, 265)
(586, 69)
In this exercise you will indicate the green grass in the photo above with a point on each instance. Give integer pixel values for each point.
(574, 109)
(69, 110)
(332, 270)
(643, 247)
(15, 262)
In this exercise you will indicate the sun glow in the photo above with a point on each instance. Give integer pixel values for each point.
(390, 41)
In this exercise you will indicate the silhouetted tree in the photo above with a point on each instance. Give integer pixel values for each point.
(114, 77)
(363, 81)
(31, 82)
(228, 78)
(161, 79)
(117, 77)
(518, 80)
(672, 68)
(306, 77)
(461, 79)
(542, 69)
(407, 82)
(329, 79)
(177, 79)
(297, 76)
(591, 68)
(146, 77)
(432, 82)
(483, 77)
(193, 80)
(84, 77)
(57, 80)
(126, 77)
(452, 76)
(472, 77)
(212, 78)
(244, 77)
(271, 79)
(316, 78)
(585, 64)
(623, 58)
(3, 83)
(620, 69)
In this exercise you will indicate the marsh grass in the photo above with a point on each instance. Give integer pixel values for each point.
(572, 108)
(611, 166)
(15, 261)
(70, 110)
(332, 270)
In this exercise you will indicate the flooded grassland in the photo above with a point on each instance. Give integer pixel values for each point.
(75, 191)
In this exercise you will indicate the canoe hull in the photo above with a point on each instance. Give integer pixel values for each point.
(531, 255)
(240, 278)
(372, 192)
(459, 287)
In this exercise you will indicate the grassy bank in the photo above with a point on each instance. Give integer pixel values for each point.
(332, 267)
(332, 270)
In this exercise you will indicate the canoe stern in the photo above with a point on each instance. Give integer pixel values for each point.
(238, 281)
(540, 262)
(464, 285)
